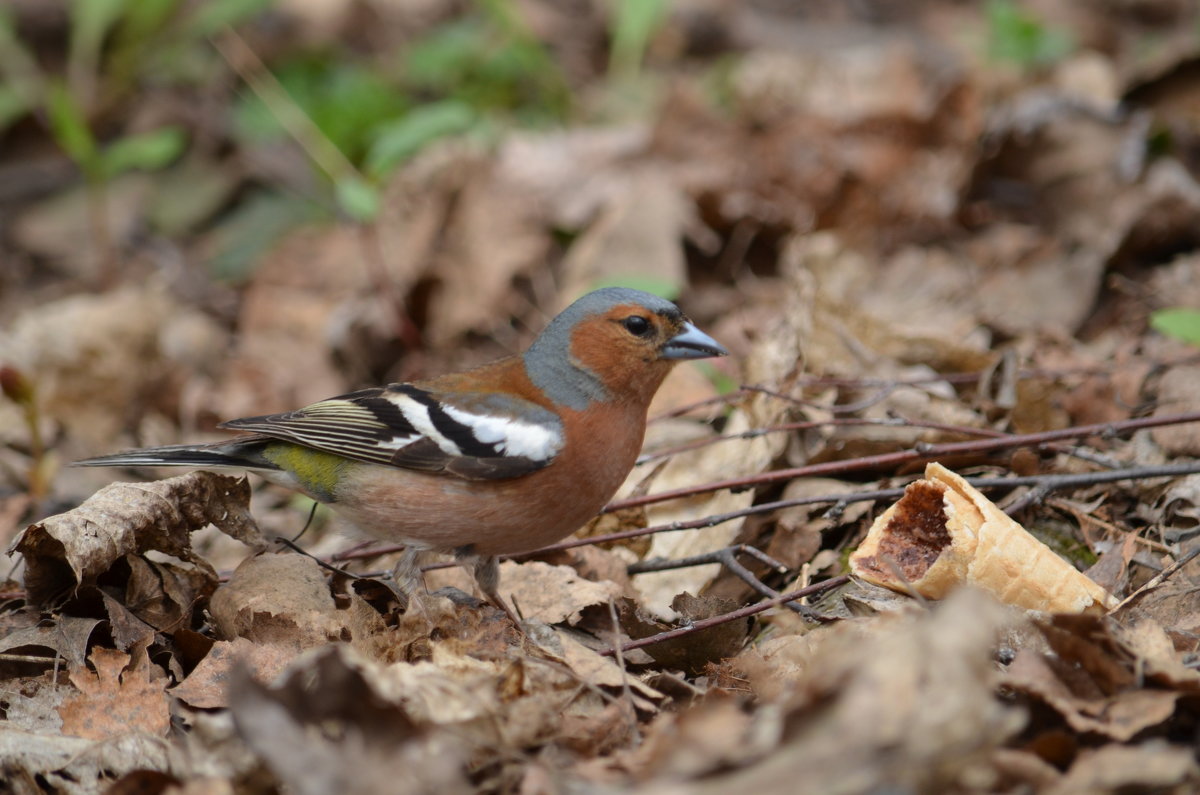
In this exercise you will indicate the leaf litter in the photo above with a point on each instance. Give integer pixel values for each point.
(906, 245)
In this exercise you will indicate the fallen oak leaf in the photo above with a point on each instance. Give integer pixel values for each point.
(116, 699)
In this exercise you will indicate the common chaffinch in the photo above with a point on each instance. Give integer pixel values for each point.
(506, 457)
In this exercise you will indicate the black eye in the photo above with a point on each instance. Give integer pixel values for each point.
(636, 325)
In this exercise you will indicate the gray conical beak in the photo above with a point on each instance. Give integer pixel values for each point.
(692, 343)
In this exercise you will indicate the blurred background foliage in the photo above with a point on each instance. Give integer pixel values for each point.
(121, 85)
(255, 116)
(158, 85)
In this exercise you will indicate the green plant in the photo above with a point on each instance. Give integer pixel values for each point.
(113, 45)
(360, 121)
(1178, 322)
(633, 25)
(1017, 36)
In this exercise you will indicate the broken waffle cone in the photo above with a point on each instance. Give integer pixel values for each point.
(944, 533)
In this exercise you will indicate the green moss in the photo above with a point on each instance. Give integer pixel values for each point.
(1063, 538)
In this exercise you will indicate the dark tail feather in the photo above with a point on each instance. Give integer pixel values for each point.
(240, 453)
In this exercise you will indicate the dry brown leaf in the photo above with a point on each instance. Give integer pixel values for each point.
(708, 737)
(328, 728)
(65, 636)
(450, 689)
(490, 240)
(602, 671)
(1157, 658)
(694, 651)
(62, 763)
(900, 701)
(1173, 605)
(97, 359)
(207, 686)
(118, 698)
(280, 358)
(638, 235)
(277, 598)
(1120, 716)
(1177, 394)
(1023, 769)
(64, 551)
(799, 530)
(32, 705)
(552, 594)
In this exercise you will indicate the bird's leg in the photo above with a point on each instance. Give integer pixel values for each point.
(409, 580)
(486, 571)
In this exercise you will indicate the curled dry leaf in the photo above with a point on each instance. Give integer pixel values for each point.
(277, 599)
(70, 549)
(67, 637)
(944, 533)
(1120, 716)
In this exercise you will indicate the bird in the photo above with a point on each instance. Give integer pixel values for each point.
(504, 458)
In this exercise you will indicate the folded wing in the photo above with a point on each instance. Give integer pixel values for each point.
(479, 437)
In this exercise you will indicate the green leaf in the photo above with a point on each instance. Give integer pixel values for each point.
(70, 128)
(12, 106)
(633, 25)
(90, 22)
(443, 58)
(357, 198)
(145, 18)
(192, 192)
(489, 64)
(657, 285)
(249, 231)
(720, 381)
(1178, 322)
(17, 66)
(397, 141)
(346, 101)
(147, 151)
(213, 15)
(1020, 37)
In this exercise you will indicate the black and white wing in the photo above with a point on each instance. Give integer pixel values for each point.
(479, 437)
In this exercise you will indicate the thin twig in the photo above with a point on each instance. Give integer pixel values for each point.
(1158, 579)
(29, 658)
(287, 542)
(917, 453)
(726, 557)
